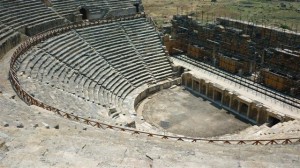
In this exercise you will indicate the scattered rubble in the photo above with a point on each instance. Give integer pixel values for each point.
(56, 126)
(5, 124)
(46, 125)
(20, 125)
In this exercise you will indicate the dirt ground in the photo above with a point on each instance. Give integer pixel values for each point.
(186, 114)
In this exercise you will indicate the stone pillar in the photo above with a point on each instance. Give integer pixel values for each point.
(206, 91)
(230, 101)
(239, 106)
(199, 86)
(257, 116)
(192, 83)
(222, 97)
(248, 110)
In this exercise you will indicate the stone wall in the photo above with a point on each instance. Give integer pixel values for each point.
(288, 59)
(99, 15)
(122, 12)
(238, 47)
(276, 81)
(155, 88)
(250, 110)
(35, 29)
(175, 46)
(9, 43)
(274, 36)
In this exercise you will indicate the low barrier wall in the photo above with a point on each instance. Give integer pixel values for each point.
(155, 88)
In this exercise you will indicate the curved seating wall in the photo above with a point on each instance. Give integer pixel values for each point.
(100, 63)
(95, 9)
(29, 17)
(32, 101)
(8, 39)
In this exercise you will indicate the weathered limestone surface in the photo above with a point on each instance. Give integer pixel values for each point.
(43, 26)
(75, 145)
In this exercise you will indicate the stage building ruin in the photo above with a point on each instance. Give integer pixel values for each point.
(266, 55)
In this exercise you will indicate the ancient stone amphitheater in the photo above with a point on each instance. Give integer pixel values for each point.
(92, 84)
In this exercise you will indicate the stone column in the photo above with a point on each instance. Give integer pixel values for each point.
(199, 86)
(248, 110)
(257, 116)
(222, 97)
(239, 106)
(206, 91)
(192, 83)
(230, 100)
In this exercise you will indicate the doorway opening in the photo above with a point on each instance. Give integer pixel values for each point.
(273, 121)
(137, 7)
(84, 13)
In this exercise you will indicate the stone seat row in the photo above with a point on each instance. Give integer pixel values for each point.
(81, 58)
(280, 130)
(102, 64)
(53, 69)
(5, 32)
(147, 44)
(68, 8)
(75, 106)
(117, 50)
(82, 89)
(112, 4)
(22, 13)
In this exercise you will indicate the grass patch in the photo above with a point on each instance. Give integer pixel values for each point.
(267, 12)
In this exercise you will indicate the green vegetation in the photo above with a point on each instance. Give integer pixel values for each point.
(285, 26)
(282, 14)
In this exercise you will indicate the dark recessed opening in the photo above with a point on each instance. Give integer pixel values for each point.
(243, 109)
(273, 121)
(137, 8)
(235, 105)
(218, 96)
(181, 70)
(189, 82)
(84, 13)
(226, 101)
(253, 114)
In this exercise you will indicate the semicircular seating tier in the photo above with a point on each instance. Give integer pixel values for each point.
(20, 18)
(96, 9)
(96, 71)
(29, 17)
(8, 39)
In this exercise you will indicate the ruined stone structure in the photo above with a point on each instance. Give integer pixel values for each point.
(77, 10)
(102, 64)
(241, 48)
(250, 110)
(92, 64)
(33, 17)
